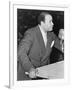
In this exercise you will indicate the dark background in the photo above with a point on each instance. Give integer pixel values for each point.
(27, 18)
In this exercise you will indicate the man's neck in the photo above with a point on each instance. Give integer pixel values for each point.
(41, 28)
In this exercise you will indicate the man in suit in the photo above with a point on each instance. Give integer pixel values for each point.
(36, 46)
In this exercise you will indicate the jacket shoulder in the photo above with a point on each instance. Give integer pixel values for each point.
(31, 31)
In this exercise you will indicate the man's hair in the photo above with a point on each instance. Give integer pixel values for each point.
(41, 17)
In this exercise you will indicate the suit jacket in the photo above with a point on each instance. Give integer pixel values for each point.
(32, 51)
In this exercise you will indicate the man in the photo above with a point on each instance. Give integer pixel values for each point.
(36, 46)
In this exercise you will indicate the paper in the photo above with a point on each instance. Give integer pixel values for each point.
(51, 71)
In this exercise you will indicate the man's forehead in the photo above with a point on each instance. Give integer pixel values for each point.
(49, 17)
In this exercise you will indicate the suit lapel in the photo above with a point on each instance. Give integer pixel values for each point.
(40, 41)
(49, 40)
(48, 48)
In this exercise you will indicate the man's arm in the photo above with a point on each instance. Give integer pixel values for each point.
(23, 51)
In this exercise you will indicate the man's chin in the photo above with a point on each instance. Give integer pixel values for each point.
(51, 30)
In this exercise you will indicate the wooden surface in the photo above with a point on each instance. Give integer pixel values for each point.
(52, 71)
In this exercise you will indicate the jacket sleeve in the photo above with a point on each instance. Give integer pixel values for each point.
(23, 51)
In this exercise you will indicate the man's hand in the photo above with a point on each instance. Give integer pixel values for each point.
(61, 37)
(32, 73)
(62, 45)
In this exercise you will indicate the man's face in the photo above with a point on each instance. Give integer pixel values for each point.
(48, 24)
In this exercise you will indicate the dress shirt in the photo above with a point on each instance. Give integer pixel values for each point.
(44, 35)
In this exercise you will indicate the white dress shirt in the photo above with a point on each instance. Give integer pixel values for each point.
(44, 35)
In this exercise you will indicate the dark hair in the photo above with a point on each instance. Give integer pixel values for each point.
(41, 17)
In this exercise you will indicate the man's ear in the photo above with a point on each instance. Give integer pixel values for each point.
(42, 23)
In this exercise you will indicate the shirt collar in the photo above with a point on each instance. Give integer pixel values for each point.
(42, 31)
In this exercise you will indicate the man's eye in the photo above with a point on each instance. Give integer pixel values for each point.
(51, 21)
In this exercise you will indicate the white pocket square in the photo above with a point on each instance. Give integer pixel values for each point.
(52, 43)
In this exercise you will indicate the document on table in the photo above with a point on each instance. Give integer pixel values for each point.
(52, 71)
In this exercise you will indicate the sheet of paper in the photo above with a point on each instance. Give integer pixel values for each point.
(52, 71)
